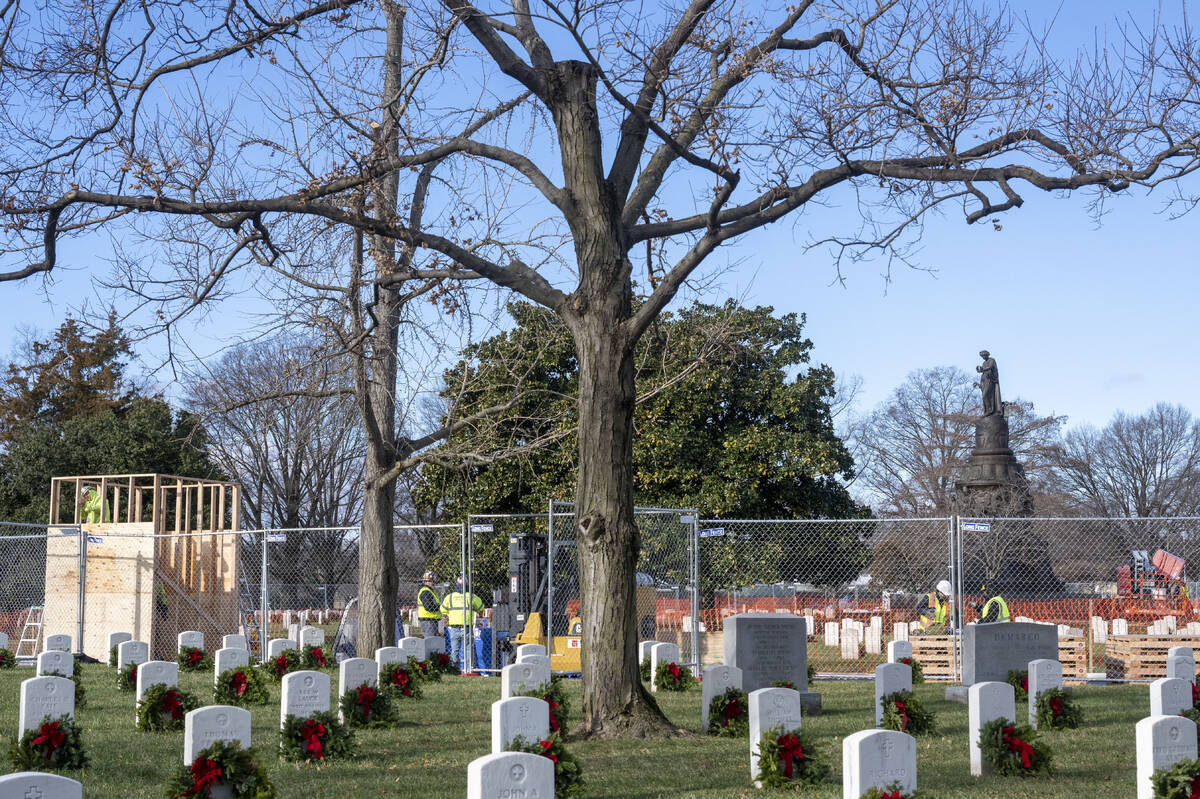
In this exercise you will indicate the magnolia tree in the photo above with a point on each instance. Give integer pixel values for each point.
(545, 149)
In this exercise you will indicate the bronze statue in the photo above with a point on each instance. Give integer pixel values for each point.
(989, 384)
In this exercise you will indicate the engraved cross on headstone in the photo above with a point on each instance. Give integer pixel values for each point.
(524, 711)
(34, 793)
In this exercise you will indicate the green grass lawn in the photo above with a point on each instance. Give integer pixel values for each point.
(449, 727)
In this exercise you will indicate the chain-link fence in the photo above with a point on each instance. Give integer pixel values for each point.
(39, 585)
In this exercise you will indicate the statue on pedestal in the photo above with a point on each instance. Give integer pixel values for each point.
(989, 384)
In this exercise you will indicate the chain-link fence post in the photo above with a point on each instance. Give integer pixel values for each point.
(81, 601)
(264, 614)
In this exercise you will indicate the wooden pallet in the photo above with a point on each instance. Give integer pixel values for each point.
(1134, 657)
(1072, 653)
(935, 653)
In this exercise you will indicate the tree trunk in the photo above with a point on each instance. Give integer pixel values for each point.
(615, 705)
(378, 580)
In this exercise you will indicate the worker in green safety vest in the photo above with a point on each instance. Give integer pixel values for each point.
(429, 606)
(93, 507)
(995, 610)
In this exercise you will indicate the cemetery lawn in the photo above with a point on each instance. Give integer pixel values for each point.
(449, 727)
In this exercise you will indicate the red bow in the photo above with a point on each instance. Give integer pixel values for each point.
(133, 674)
(673, 670)
(443, 660)
(553, 717)
(1195, 693)
(1194, 788)
(1055, 707)
(170, 704)
(194, 656)
(789, 752)
(281, 664)
(1025, 684)
(903, 711)
(238, 683)
(732, 711)
(906, 661)
(892, 795)
(400, 677)
(366, 695)
(1020, 747)
(318, 655)
(311, 733)
(52, 736)
(204, 773)
(546, 750)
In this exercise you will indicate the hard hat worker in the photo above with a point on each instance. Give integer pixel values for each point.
(94, 508)
(460, 608)
(935, 607)
(429, 606)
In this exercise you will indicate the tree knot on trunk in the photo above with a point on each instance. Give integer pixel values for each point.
(592, 529)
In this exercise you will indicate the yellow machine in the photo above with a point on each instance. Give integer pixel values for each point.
(566, 651)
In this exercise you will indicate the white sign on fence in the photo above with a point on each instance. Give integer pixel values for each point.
(977, 527)
(712, 532)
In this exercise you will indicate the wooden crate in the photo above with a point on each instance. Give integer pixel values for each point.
(1072, 653)
(935, 653)
(1134, 657)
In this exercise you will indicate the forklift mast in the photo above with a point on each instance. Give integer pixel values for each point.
(528, 577)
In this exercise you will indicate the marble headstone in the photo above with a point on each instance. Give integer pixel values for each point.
(877, 759)
(987, 701)
(767, 647)
(1169, 696)
(412, 647)
(54, 661)
(898, 650)
(311, 636)
(991, 651)
(715, 681)
(771, 708)
(304, 693)
(538, 649)
(42, 697)
(277, 646)
(526, 716)
(229, 658)
(519, 677)
(1044, 675)
(234, 642)
(509, 775)
(116, 639)
(156, 672)
(890, 678)
(205, 726)
(59, 643)
(1161, 742)
(132, 652)
(39, 785)
(190, 638)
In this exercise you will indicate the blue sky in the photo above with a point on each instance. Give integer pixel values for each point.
(1083, 319)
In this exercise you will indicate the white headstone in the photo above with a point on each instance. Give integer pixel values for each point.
(190, 638)
(311, 636)
(661, 653)
(526, 716)
(877, 759)
(850, 642)
(227, 659)
(1161, 742)
(510, 774)
(433, 646)
(900, 631)
(39, 785)
(873, 643)
(289, 618)
(541, 660)
(770, 708)
(132, 652)
(987, 701)
(810, 624)
(204, 726)
(293, 631)
(53, 661)
(116, 639)
(3, 641)
(521, 677)
(60, 643)
(1181, 663)
(304, 693)
(1169, 696)
(538, 649)
(234, 642)
(1120, 627)
(353, 672)
(715, 681)
(898, 650)
(890, 678)
(831, 633)
(44, 696)
(1170, 622)
(277, 646)
(388, 654)
(156, 672)
(1044, 675)
(412, 647)
(1099, 630)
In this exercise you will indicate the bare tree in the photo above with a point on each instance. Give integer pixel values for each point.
(911, 446)
(1136, 466)
(454, 142)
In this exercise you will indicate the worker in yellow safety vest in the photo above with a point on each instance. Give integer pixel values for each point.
(995, 610)
(429, 606)
(935, 609)
(460, 608)
(94, 508)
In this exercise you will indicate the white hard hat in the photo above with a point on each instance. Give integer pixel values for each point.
(944, 587)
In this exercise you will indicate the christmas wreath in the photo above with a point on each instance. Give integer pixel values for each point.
(241, 686)
(163, 708)
(192, 658)
(1181, 781)
(728, 714)
(918, 675)
(223, 763)
(787, 759)
(443, 663)
(811, 670)
(127, 677)
(568, 774)
(366, 706)
(77, 678)
(672, 677)
(554, 695)
(1019, 680)
(903, 712)
(315, 737)
(644, 669)
(112, 657)
(1056, 710)
(7, 661)
(1013, 748)
(314, 656)
(55, 744)
(400, 681)
(281, 664)
(892, 791)
(423, 670)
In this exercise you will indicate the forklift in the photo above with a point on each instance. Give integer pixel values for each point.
(521, 605)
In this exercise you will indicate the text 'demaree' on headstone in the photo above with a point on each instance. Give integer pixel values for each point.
(991, 651)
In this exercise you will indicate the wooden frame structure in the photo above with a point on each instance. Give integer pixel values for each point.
(169, 502)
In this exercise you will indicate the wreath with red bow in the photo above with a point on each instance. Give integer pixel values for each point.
(127, 677)
(729, 714)
(1056, 710)
(317, 736)
(1181, 781)
(918, 675)
(1019, 680)
(443, 663)
(644, 669)
(314, 656)
(903, 712)
(892, 791)
(568, 773)
(7, 660)
(241, 686)
(672, 677)
(554, 695)
(368, 706)
(400, 681)
(423, 670)
(787, 759)
(55, 744)
(1014, 749)
(276, 667)
(193, 658)
(223, 763)
(163, 707)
